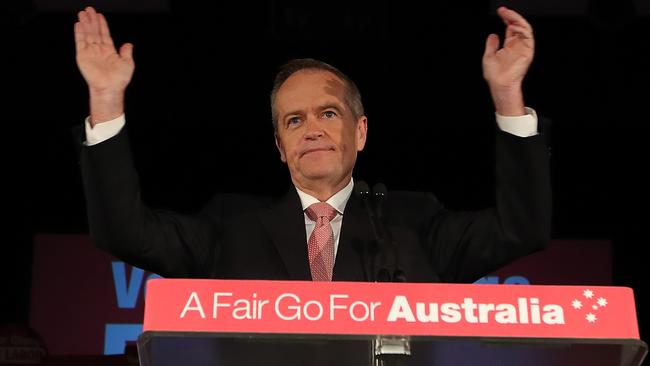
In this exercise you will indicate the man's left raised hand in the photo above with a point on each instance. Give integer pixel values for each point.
(504, 68)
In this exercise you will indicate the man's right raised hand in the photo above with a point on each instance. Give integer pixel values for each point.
(106, 72)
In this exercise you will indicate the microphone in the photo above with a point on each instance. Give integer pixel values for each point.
(362, 189)
(379, 193)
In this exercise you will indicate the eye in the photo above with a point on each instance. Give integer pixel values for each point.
(329, 114)
(293, 121)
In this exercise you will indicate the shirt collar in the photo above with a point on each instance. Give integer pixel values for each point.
(338, 200)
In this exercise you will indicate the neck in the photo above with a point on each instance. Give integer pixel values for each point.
(322, 190)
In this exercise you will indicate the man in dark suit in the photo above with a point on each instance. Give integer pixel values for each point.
(320, 127)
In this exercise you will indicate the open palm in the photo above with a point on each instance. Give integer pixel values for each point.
(103, 68)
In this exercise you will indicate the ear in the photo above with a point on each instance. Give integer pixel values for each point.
(361, 132)
(278, 144)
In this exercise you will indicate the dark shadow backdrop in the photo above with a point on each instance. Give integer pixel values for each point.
(199, 118)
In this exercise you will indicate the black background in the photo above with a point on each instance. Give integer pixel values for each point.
(199, 117)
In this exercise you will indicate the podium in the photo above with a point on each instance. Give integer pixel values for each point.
(236, 322)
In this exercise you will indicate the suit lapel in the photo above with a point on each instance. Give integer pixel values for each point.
(285, 224)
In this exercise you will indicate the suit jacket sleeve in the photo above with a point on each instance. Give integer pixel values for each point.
(167, 243)
(463, 246)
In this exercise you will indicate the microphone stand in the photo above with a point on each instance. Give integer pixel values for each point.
(387, 349)
(362, 189)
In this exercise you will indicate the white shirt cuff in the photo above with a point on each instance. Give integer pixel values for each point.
(522, 126)
(103, 131)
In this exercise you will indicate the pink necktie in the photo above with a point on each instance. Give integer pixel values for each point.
(321, 241)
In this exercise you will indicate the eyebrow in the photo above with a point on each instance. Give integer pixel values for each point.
(330, 106)
(319, 108)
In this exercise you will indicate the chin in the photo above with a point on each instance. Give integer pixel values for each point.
(317, 174)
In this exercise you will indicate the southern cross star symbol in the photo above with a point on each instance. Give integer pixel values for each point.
(596, 305)
(591, 318)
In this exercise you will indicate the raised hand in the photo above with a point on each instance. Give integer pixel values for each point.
(106, 71)
(504, 68)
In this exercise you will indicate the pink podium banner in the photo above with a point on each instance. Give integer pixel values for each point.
(109, 294)
(361, 308)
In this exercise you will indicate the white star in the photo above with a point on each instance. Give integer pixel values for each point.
(595, 307)
(602, 302)
(591, 318)
(588, 294)
(577, 304)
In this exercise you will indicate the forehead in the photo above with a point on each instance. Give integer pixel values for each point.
(307, 87)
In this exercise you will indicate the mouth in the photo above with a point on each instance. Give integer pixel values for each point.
(316, 150)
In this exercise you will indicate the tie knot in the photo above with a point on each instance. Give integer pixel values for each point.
(320, 209)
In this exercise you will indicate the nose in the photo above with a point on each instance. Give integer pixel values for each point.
(314, 129)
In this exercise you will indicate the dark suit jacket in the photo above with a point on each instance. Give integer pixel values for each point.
(247, 237)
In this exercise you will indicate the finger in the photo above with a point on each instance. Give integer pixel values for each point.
(83, 17)
(87, 27)
(510, 16)
(519, 34)
(519, 31)
(93, 24)
(79, 37)
(126, 51)
(104, 32)
(491, 45)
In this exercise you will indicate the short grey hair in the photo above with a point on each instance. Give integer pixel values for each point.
(352, 94)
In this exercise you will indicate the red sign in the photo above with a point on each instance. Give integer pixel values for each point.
(84, 301)
(296, 307)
